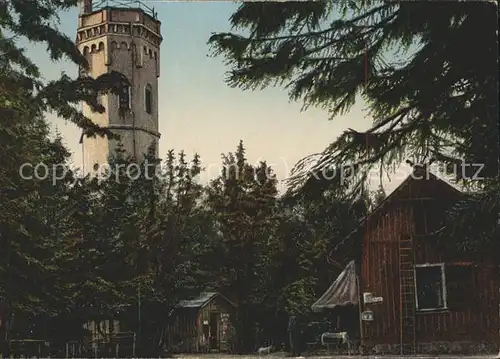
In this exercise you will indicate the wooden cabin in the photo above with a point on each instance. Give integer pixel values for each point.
(202, 324)
(418, 294)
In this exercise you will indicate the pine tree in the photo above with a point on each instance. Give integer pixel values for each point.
(35, 181)
(28, 231)
(242, 199)
(174, 227)
(37, 23)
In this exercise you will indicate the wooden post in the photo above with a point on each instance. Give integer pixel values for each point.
(498, 356)
(67, 350)
(360, 305)
(139, 336)
(133, 347)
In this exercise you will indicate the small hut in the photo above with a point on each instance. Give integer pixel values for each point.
(202, 324)
(107, 333)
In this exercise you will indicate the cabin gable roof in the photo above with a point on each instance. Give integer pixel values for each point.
(202, 300)
(403, 191)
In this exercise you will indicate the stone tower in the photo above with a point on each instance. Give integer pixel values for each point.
(126, 40)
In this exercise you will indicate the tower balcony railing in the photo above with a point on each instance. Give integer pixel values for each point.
(131, 4)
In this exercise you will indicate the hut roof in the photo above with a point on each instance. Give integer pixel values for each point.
(400, 191)
(203, 299)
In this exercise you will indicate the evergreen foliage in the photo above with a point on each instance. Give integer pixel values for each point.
(430, 84)
(426, 70)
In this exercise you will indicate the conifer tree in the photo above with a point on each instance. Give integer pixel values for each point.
(242, 199)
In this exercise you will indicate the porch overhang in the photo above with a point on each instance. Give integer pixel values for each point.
(343, 291)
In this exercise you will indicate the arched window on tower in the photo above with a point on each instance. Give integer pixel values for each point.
(148, 98)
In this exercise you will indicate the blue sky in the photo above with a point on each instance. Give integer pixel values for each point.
(200, 113)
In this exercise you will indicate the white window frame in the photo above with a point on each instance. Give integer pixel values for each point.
(443, 281)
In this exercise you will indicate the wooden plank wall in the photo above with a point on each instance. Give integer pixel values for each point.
(184, 328)
(381, 273)
(219, 306)
(478, 321)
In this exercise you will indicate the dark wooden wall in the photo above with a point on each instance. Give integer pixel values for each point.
(184, 333)
(181, 333)
(220, 306)
(415, 211)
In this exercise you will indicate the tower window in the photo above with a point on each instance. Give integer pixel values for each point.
(148, 98)
(125, 97)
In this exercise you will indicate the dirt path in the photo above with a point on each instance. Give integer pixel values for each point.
(282, 355)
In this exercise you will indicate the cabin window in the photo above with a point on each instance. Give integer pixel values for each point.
(430, 287)
(148, 98)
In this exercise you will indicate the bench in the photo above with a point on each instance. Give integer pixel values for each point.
(338, 339)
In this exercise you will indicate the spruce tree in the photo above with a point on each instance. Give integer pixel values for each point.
(242, 199)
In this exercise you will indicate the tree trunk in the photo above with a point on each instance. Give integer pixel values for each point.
(6, 326)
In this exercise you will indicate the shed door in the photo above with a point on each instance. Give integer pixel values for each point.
(214, 331)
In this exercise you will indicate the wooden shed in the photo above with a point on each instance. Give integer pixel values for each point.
(417, 294)
(202, 324)
(106, 336)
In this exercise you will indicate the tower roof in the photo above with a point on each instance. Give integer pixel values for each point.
(96, 5)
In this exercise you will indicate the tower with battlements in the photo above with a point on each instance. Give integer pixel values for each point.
(125, 38)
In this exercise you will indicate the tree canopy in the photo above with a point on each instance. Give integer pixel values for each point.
(36, 22)
(426, 70)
